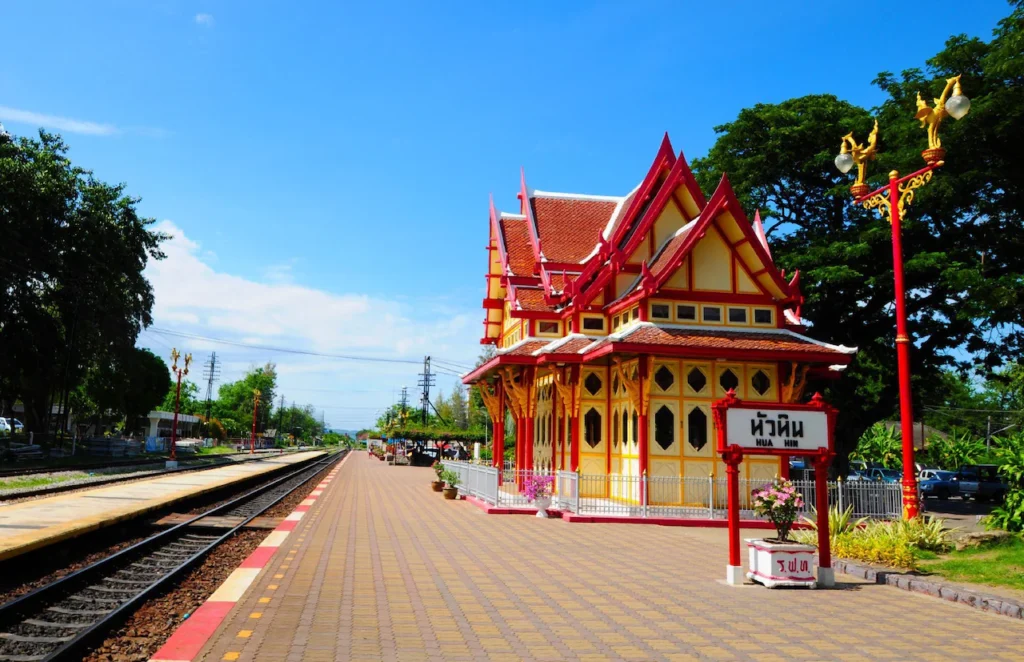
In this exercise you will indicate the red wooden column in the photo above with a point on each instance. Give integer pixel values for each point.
(531, 408)
(732, 458)
(826, 577)
(574, 421)
(498, 455)
(642, 422)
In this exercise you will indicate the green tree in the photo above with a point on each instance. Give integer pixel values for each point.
(188, 401)
(234, 404)
(963, 251)
(72, 284)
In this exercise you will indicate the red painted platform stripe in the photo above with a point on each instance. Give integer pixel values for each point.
(287, 525)
(301, 509)
(259, 558)
(189, 639)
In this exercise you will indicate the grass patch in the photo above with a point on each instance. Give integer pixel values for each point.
(1002, 565)
(38, 481)
(215, 450)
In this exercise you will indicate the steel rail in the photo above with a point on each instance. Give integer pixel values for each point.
(19, 612)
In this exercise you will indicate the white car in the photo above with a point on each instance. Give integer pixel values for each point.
(5, 427)
(17, 425)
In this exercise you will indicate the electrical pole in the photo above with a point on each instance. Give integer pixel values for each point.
(280, 416)
(426, 381)
(211, 371)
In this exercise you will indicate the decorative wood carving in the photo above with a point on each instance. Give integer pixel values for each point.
(514, 395)
(491, 400)
(793, 386)
(565, 391)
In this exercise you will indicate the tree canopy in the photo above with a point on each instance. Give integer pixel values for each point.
(964, 257)
(72, 289)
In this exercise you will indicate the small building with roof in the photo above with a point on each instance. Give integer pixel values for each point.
(618, 320)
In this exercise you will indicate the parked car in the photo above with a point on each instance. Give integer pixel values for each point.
(980, 482)
(937, 483)
(5, 427)
(16, 424)
(884, 475)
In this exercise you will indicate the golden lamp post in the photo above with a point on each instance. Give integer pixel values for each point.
(255, 408)
(180, 372)
(891, 200)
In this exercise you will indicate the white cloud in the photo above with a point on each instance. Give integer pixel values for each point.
(205, 20)
(55, 122)
(193, 297)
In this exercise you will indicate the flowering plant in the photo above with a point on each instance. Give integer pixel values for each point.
(779, 502)
(537, 486)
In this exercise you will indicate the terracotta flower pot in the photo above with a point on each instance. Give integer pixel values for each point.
(437, 485)
(451, 492)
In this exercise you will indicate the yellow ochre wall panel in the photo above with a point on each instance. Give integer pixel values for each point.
(680, 280)
(622, 282)
(712, 264)
(641, 253)
(670, 220)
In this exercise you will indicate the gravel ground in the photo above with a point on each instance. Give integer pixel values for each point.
(149, 627)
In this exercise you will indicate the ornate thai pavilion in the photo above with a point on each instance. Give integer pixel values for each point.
(618, 320)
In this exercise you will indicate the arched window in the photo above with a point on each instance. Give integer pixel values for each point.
(625, 427)
(636, 428)
(615, 429)
(592, 427)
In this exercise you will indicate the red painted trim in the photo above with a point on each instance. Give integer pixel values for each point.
(713, 353)
(187, 642)
(259, 557)
(493, 304)
(665, 158)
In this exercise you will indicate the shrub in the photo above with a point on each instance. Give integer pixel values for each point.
(438, 469)
(881, 445)
(1009, 515)
(896, 544)
(779, 502)
(838, 522)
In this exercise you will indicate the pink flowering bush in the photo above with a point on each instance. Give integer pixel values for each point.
(537, 486)
(779, 502)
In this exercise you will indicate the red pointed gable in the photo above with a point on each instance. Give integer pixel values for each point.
(516, 239)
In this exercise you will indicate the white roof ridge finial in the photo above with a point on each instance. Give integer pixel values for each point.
(759, 231)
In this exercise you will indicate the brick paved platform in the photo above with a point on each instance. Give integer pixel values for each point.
(382, 568)
(35, 523)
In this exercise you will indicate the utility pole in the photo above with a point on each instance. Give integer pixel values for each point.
(280, 416)
(426, 381)
(211, 371)
(405, 398)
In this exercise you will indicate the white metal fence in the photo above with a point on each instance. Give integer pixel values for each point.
(665, 496)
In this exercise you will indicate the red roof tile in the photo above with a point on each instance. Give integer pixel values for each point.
(726, 340)
(570, 228)
(573, 346)
(664, 258)
(518, 246)
(527, 348)
(532, 299)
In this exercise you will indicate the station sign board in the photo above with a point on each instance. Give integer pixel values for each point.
(760, 430)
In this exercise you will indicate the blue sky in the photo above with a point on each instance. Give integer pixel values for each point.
(325, 166)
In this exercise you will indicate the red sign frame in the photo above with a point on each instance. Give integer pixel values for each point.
(730, 401)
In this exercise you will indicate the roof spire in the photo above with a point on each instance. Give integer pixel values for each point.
(759, 231)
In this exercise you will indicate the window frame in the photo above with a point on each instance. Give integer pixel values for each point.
(703, 314)
(556, 333)
(584, 318)
(771, 316)
(746, 315)
(660, 304)
(683, 320)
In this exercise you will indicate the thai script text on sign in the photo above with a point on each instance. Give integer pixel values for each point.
(777, 429)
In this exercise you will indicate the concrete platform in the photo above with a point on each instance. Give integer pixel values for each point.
(381, 568)
(33, 524)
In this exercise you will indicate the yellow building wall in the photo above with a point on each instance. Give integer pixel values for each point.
(670, 220)
(677, 455)
(712, 263)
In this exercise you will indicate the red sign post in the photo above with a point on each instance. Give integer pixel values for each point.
(784, 430)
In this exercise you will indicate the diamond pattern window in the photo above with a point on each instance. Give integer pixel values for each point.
(664, 427)
(663, 378)
(592, 427)
(592, 383)
(696, 380)
(698, 424)
(761, 382)
(728, 379)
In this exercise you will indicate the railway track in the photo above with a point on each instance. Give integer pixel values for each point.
(61, 620)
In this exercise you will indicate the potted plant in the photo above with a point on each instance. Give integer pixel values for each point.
(452, 479)
(780, 561)
(437, 485)
(537, 489)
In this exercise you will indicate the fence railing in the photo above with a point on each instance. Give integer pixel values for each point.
(665, 496)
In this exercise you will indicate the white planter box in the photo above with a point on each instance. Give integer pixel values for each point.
(782, 564)
(542, 504)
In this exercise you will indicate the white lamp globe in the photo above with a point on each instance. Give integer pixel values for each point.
(957, 106)
(844, 162)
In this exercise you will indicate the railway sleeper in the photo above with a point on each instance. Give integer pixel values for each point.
(79, 612)
(27, 639)
(48, 624)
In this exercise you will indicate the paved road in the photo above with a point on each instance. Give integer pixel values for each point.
(384, 569)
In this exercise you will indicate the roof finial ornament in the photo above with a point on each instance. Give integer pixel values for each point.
(759, 231)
